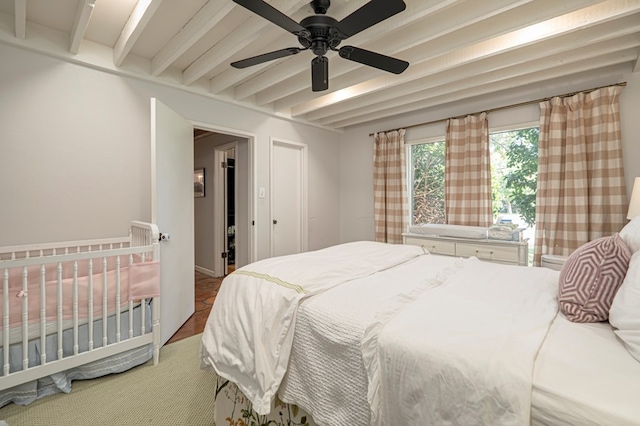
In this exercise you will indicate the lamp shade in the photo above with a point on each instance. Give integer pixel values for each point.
(634, 205)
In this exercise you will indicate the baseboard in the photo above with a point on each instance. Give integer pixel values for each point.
(206, 271)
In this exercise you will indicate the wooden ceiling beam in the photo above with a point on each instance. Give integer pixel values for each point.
(137, 22)
(606, 34)
(20, 18)
(484, 77)
(584, 18)
(372, 36)
(206, 18)
(602, 63)
(248, 32)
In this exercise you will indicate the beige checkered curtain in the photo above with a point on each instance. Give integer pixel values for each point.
(467, 182)
(581, 191)
(389, 187)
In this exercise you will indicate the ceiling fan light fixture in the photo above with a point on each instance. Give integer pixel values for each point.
(319, 74)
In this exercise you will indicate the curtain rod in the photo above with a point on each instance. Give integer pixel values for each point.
(624, 83)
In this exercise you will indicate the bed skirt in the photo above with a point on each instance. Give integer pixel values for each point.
(61, 382)
(232, 408)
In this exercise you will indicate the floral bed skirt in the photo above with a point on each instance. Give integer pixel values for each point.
(232, 408)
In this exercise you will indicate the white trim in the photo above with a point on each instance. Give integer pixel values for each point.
(514, 127)
(303, 189)
(408, 166)
(425, 140)
(206, 271)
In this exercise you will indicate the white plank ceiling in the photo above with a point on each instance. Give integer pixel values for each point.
(457, 49)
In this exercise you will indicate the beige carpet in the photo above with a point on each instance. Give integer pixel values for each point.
(174, 392)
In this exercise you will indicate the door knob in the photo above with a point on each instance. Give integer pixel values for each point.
(275, 222)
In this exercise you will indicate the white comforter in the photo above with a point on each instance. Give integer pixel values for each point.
(247, 338)
(430, 339)
(326, 375)
(461, 352)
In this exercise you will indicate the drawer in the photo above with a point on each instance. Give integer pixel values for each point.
(488, 252)
(433, 246)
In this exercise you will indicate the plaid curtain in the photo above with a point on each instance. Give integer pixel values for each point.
(389, 187)
(467, 182)
(581, 190)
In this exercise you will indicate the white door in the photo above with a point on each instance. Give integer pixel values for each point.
(172, 211)
(288, 198)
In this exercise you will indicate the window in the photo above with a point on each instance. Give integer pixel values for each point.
(427, 182)
(514, 175)
(514, 171)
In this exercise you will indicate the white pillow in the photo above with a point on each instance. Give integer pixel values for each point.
(631, 234)
(624, 314)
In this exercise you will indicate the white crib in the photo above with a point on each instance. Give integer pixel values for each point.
(66, 306)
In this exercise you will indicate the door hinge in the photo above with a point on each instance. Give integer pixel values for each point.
(223, 255)
(223, 164)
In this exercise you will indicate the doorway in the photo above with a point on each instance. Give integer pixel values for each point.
(224, 217)
(207, 278)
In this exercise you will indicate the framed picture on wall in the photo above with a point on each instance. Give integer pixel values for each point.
(198, 183)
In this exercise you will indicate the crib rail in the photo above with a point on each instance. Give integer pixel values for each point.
(92, 255)
(48, 249)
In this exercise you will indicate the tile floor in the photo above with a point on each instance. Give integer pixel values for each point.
(206, 290)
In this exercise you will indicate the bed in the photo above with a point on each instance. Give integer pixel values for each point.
(374, 334)
(77, 310)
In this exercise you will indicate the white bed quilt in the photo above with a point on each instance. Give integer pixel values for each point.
(249, 345)
(326, 375)
(462, 352)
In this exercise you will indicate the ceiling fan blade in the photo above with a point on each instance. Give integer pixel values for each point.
(373, 59)
(272, 14)
(369, 15)
(266, 57)
(319, 74)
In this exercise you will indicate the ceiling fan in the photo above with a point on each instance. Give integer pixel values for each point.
(320, 33)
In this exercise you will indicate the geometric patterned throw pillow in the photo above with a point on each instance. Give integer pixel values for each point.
(590, 278)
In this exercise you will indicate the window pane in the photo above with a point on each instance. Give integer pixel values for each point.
(514, 179)
(514, 175)
(427, 183)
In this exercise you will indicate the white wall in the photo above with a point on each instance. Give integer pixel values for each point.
(203, 158)
(356, 151)
(75, 152)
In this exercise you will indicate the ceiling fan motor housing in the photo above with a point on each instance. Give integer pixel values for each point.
(323, 34)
